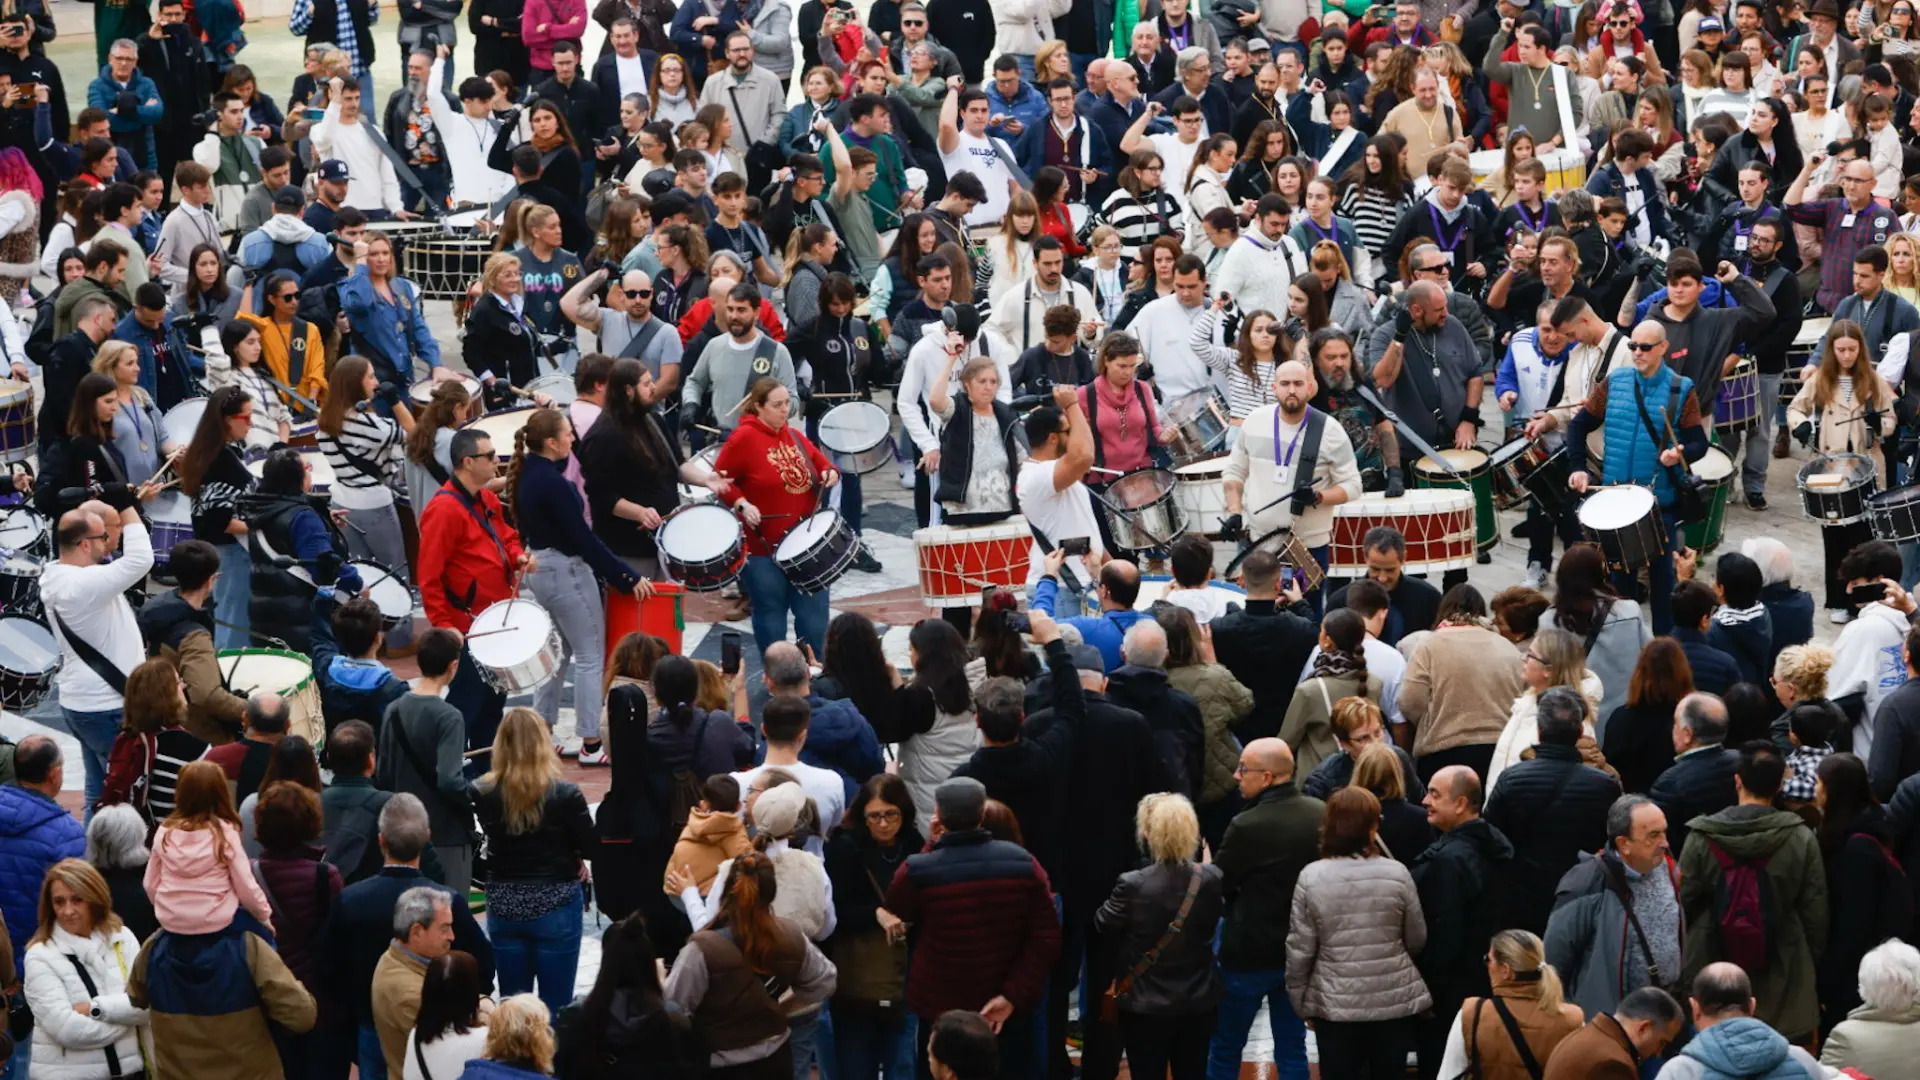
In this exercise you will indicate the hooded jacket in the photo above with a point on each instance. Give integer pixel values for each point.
(709, 839)
(199, 878)
(1461, 877)
(350, 689)
(1588, 936)
(214, 1000)
(256, 248)
(1179, 734)
(1797, 930)
(1257, 271)
(1742, 1048)
(1551, 809)
(182, 635)
(35, 833)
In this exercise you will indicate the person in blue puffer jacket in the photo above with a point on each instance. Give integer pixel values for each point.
(35, 833)
(1731, 1043)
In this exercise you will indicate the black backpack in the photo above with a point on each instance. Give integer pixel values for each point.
(355, 846)
(286, 256)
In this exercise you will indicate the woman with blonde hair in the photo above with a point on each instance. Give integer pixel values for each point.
(1553, 658)
(500, 343)
(1903, 267)
(365, 449)
(539, 838)
(1379, 768)
(1830, 414)
(520, 1043)
(1527, 995)
(75, 981)
(1799, 681)
(139, 433)
(1168, 991)
(1347, 306)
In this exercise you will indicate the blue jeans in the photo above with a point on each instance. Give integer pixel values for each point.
(231, 594)
(1237, 1010)
(546, 949)
(865, 1043)
(1026, 67)
(371, 1059)
(773, 596)
(96, 732)
(801, 1031)
(364, 76)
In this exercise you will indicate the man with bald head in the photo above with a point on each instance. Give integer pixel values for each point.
(1118, 588)
(1700, 780)
(1261, 857)
(245, 759)
(1426, 363)
(1847, 224)
(1459, 877)
(1291, 467)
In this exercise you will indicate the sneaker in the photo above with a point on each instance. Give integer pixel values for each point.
(596, 756)
(1536, 576)
(1839, 616)
(560, 750)
(738, 610)
(865, 562)
(1756, 501)
(906, 477)
(1485, 558)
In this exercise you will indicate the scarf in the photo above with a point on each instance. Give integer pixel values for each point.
(547, 145)
(1338, 664)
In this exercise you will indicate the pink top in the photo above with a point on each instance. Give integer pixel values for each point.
(565, 20)
(583, 414)
(1123, 452)
(193, 892)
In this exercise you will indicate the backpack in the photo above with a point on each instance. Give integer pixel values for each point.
(1743, 909)
(355, 846)
(285, 256)
(684, 787)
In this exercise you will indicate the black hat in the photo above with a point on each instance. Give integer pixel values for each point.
(288, 198)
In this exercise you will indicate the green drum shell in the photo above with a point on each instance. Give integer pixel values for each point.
(1478, 480)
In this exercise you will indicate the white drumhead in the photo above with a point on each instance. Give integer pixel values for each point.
(501, 427)
(1812, 331)
(1155, 588)
(700, 533)
(1509, 451)
(26, 646)
(1616, 507)
(558, 388)
(853, 426)
(21, 527)
(1715, 466)
(422, 391)
(1202, 471)
(20, 566)
(318, 467)
(387, 590)
(809, 532)
(1415, 501)
(508, 632)
(1465, 461)
(13, 391)
(1485, 162)
(180, 421)
(173, 508)
(264, 671)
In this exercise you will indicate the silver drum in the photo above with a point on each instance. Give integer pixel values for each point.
(516, 645)
(1143, 511)
(857, 435)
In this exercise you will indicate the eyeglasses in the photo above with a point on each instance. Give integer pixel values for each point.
(287, 295)
(1243, 769)
(1535, 657)
(913, 22)
(1149, 168)
(881, 817)
(1643, 346)
(101, 536)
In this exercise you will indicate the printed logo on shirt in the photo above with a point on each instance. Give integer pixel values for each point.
(570, 271)
(791, 467)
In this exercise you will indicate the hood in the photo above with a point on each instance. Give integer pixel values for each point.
(834, 725)
(287, 229)
(1749, 832)
(194, 853)
(361, 676)
(1742, 1046)
(1490, 843)
(169, 619)
(711, 827)
(23, 811)
(1449, 216)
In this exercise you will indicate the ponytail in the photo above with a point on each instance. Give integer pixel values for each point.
(747, 909)
(544, 424)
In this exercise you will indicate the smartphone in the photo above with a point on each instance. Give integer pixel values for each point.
(1018, 622)
(1077, 545)
(986, 595)
(1381, 11)
(1868, 593)
(313, 114)
(730, 652)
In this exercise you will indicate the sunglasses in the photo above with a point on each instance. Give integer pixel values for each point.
(1620, 24)
(1643, 346)
(913, 22)
(1439, 268)
(637, 294)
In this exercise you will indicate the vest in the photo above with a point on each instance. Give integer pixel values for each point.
(19, 246)
(1632, 455)
(325, 28)
(738, 1009)
(281, 601)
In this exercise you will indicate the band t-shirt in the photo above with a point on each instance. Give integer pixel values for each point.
(976, 154)
(546, 281)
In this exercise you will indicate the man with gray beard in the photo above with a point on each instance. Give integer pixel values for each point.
(409, 128)
(1376, 448)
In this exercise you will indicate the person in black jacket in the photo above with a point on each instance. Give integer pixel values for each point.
(1551, 809)
(1713, 669)
(630, 463)
(1141, 685)
(1461, 878)
(1700, 780)
(863, 855)
(90, 466)
(1060, 360)
(72, 357)
(170, 56)
(1896, 727)
(500, 346)
(1264, 645)
(283, 520)
(624, 1027)
(1021, 770)
(495, 26)
(1869, 898)
(551, 178)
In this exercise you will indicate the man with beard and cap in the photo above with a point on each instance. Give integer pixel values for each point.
(1290, 468)
(1535, 367)
(1376, 446)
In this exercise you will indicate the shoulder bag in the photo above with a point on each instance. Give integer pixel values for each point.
(93, 993)
(1110, 997)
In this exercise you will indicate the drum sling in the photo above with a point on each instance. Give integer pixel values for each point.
(498, 546)
(1689, 501)
(92, 657)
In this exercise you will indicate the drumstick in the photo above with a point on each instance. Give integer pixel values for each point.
(736, 407)
(710, 430)
(1109, 472)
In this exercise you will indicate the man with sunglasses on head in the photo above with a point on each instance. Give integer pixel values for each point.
(291, 347)
(1426, 262)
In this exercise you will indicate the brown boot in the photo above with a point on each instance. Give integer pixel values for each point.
(1780, 442)
(738, 609)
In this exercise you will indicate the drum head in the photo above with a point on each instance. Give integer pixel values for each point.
(1811, 332)
(27, 647)
(387, 590)
(1202, 471)
(181, 420)
(1616, 507)
(1507, 452)
(558, 387)
(247, 670)
(422, 391)
(1463, 461)
(20, 566)
(1415, 501)
(13, 391)
(501, 427)
(21, 528)
(1715, 466)
(698, 534)
(1274, 543)
(172, 507)
(319, 469)
(811, 530)
(853, 426)
(509, 632)
(1141, 488)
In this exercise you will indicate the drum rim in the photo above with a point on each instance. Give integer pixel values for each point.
(53, 642)
(660, 534)
(801, 524)
(1470, 470)
(1613, 493)
(285, 654)
(1013, 528)
(1373, 501)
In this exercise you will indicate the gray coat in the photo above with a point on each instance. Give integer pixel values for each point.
(1588, 936)
(1356, 925)
(1877, 1042)
(1614, 655)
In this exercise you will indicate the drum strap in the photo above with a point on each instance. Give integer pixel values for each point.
(90, 656)
(1093, 416)
(637, 345)
(1067, 577)
(499, 546)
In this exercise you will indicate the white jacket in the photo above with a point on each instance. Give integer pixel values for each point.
(804, 895)
(1022, 26)
(1257, 271)
(67, 1045)
(928, 759)
(924, 361)
(1867, 660)
(1165, 330)
(1523, 727)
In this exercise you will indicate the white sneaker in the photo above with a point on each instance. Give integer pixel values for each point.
(1536, 576)
(594, 757)
(560, 750)
(906, 477)
(1839, 616)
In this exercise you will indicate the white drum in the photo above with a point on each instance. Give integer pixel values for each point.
(501, 427)
(421, 392)
(24, 532)
(387, 590)
(516, 645)
(856, 435)
(1201, 492)
(180, 421)
(1625, 521)
(701, 546)
(695, 493)
(558, 387)
(318, 468)
(288, 674)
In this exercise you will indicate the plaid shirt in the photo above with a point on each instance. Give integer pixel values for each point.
(1803, 768)
(348, 41)
(1840, 240)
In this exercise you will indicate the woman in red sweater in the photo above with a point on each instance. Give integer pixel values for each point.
(776, 477)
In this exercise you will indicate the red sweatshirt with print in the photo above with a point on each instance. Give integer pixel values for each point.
(770, 469)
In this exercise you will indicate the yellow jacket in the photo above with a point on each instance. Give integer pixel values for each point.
(309, 377)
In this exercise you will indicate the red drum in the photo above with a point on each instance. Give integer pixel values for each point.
(955, 563)
(1437, 522)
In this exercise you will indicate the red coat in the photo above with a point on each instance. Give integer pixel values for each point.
(702, 310)
(460, 569)
(770, 470)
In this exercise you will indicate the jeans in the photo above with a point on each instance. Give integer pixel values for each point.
(1237, 1010)
(371, 1059)
(1080, 62)
(15, 1067)
(1026, 66)
(481, 704)
(96, 732)
(231, 594)
(364, 76)
(801, 1030)
(546, 949)
(565, 586)
(1541, 527)
(325, 1053)
(1753, 471)
(845, 494)
(375, 534)
(773, 596)
(1660, 579)
(865, 1043)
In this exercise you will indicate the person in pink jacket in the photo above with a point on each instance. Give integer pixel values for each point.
(199, 877)
(546, 22)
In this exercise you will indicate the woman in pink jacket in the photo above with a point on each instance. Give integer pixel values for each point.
(198, 877)
(546, 23)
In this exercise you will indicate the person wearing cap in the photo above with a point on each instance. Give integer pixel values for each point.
(1823, 22)
(372, 185)
(773, 807)
(285, 242)
(329, 195)
(982, 909)
(1712, 38)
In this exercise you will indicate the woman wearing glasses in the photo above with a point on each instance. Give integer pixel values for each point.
(291, 350)
(870, 947)
(1139, 209)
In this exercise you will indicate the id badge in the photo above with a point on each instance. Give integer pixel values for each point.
(1847, 222)
(1740, 243)
(1448, 256)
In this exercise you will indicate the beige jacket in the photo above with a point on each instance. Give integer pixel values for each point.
(1459, 688)
(1842, 426)
(396, 1003)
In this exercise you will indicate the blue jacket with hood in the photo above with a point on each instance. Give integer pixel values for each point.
(1741, 1049)
(35, 833)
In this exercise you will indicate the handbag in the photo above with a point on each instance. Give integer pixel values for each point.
(873, 969)
(1110, 997)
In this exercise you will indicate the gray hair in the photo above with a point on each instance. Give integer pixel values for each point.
(1562, 712)
(1145, 645)
(1190, 57)
(1620, 815)
(638, 101)
(1705, 715)
(1774, 558)
(125, 43)
(404, 826)
(1890, 976)
(117, 838)
(719, 257)
(417, 907)
(786, 669)
(1649, 1003)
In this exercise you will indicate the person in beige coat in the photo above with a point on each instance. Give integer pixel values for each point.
(1459, 687)
(1355, 926)
(1844, 407)
(1881, 1036)
(1339, 672)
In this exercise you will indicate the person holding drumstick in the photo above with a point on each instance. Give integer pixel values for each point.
(776, 478)
(214, 473)
(366, 450)
(389, 319)
(629, 462)
(1846, 408)
(500, 341)
(1124, 421)
(91, 466)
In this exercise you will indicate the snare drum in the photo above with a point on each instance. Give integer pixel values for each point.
(16, 420)
(421, 392)
(387, 590)
(1737, 408)
(29, 658)
(1141, 510)
(304, 434)
(1437, 524)
(288, 674)
(1199, 421)
(171, 516)
(956, 563)
(1294, 557)
(701, 546)
(1625, 521)
(319, 469)
(1716, 468)
(516, 645)
(177, 424)
(558, 388)
(24, 532)
(857, 436)
(1201, 493)
(1472, 472)
(501, 427)
(1154, 588)
(697, 493)
(817, 552)
(20, 587)
(1894, 516)
(1834, 488)
(1526, 468)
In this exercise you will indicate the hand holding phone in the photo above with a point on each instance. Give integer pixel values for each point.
(729, 652)
(1077, 545)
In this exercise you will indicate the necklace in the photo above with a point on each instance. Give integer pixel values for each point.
(1535, 80)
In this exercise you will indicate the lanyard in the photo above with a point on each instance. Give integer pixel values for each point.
(1528, 219)
(132, 406)
(1286, 461)
(1332, 234)
(1440, 230)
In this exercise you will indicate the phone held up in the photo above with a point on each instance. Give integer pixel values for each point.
(730, 652)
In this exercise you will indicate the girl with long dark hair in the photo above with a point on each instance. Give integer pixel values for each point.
(213, 473)
(625, 1026)
(430, 443)
(1138, 208)
(1867, 894)
(240, 341)
(869, 949)
(1585, 605)
(855, 668)
(936, 729)
(1375, 191)
(450, 1029)
(364, 450)
(1266, 147)
(897, 283)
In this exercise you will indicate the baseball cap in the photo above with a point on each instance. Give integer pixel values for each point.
(334, 170)
(288, 197)
(1711, 25)
(1255, 45)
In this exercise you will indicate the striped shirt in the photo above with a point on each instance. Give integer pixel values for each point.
(373, 441)
(1243, 394)
(1141, 221)
(1373, 215)
(174, 749)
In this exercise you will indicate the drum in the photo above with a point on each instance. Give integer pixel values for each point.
(1298, 563)
(516, 645)
(387, 590)
(1566, 169)
(178, 423)
(1199, 421)
(1141, 510)
(29, 657)
(319, 469)
(1472, 472)
(956, 563)
(1436, 522)
(171, 516)
(1525, 468)
(701, 546)
(1737, 408)
(303, 434)
(817, 552)
(1154, 588)
(1625, 521)
(501, 427)
(1718, 470)
(1805, 349)
(20, 587)
(1894, 516)
(558, 387)
(24, 532)
(695, 493)
(289, 674)
(1201, 493)
(444, 265)
(421, 392)
(16, 420)
(1834, 488)
(857, 436)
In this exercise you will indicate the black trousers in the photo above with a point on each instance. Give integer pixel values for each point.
(1100, 1045)
(1836, 541)
(1157, 1044)
(1373, 1050)
(1541, 526)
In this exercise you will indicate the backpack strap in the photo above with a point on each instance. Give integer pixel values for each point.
(1474, 1069)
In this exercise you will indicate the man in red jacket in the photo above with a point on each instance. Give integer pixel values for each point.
(469, 558)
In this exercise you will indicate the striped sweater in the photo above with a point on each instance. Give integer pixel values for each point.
(366, 458)
(1243, 394)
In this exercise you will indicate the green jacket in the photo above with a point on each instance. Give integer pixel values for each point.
(1260, 858)
(1787, 1001)
(82, 288)
(889, 179)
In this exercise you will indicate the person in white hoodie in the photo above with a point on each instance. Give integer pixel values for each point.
(1868, 658)
(75, 979)
(468, 135)
(310, 249)
(1020, 27)
(1264, 261)
(1554, 658)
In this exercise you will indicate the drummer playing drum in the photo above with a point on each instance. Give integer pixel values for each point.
(1293, 466)
(1843, 408)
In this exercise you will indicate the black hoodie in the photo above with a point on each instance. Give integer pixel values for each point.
(1459, 876)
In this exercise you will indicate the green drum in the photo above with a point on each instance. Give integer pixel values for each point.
(1717, 469)
(1475, 474)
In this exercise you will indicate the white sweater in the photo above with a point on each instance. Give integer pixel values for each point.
(67, 1045)
(371, 183)
(1867, 659)
(88, 599)
(804, 895)
(1254, 462)
(1165, 330)
(1523, 727)
(467, 141)
(447, 1056)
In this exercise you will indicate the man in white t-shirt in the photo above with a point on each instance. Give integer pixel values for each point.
(1176, 148)
(786, 733)
(1165, 330)
(1054, 497)
(965, 146)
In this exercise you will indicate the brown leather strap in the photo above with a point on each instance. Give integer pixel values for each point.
(1152, 956)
